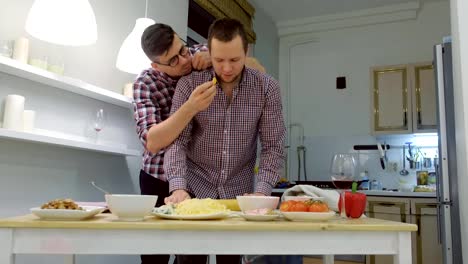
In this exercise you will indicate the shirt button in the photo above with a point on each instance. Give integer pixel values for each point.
(224, 152)
(225, 131)
(222, 172)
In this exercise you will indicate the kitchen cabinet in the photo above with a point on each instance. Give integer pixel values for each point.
(403, 99)
(426, 239)
(420, 211)
(388, 208)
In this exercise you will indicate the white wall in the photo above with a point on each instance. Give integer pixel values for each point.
(30, 173)
(266, 46)
(95, 64)
(335, 120)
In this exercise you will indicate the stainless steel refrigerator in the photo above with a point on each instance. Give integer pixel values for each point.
(447, 183)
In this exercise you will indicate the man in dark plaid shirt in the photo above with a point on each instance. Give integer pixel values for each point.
(153, 91)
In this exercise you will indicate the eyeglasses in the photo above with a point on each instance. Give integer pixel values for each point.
(174, 61)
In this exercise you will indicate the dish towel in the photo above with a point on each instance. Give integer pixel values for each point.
(330, 196)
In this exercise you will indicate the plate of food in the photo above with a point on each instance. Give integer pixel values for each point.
(65, 209)
(193, 209)
(312, 210)
(260, 215)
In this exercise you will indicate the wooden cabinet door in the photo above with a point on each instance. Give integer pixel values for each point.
(390, 97)
(426, 239)
(393, 209)
(424, 98)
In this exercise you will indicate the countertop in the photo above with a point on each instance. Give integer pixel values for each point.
(387, 193)
(108, 221)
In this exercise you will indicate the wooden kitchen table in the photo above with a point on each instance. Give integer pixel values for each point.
(103, 234)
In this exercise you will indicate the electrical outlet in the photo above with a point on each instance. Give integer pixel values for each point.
(392, 166)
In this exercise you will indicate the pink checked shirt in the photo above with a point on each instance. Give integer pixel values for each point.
(215, 155)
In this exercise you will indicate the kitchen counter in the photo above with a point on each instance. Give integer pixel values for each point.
(401, 194)
(104, 234)
(386, 193)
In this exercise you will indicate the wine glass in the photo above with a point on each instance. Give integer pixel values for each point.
(99, 120)
(342, 171)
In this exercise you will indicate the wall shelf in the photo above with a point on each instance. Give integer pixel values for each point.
(69, 84)
(69, 141)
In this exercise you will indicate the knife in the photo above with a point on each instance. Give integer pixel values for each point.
(382, 156)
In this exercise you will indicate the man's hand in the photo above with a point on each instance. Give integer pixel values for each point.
(201, 60)
(176, 197)
(254, 194)
(202, 97)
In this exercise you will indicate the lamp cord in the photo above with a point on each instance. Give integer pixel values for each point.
(146, 9)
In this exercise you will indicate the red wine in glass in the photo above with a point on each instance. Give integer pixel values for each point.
(343, 184)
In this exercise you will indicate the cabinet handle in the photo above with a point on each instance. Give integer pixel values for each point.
(386, 204)
(439, 224)
(405, 119)
(419, 118)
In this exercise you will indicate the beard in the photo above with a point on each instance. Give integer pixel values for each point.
(231, 79)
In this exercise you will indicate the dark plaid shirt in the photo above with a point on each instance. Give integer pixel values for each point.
(152, 95)
(215, 155)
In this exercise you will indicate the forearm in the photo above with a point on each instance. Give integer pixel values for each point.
(163, 134)
(268, 175)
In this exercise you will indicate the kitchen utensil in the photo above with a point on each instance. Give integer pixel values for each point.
(382, 156)
(385, 146)
(99, 188)
(369, 147)
(403, 171)
(427, 162)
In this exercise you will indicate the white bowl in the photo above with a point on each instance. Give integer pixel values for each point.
(303, 198)
(247, 203)
(131, 207)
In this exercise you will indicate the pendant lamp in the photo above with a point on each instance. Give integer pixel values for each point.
(131, 57)
(70, 22)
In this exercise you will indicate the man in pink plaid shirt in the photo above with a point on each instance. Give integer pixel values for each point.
(215, 154)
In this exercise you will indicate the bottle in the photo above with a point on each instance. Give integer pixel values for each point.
(364, 181)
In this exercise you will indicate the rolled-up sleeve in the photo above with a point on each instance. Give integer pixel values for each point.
(175, 159)
(146, 111)
(272, 134)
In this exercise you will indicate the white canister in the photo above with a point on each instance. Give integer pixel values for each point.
(13, 115)
(29, 116)
(21, 50)
(128, 90)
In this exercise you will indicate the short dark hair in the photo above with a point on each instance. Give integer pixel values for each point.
(156, 40)
(225, 30)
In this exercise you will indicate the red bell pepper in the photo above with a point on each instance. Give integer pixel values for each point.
(355, 203)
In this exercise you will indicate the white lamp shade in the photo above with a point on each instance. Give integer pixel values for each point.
(131, 57)
(70, 22)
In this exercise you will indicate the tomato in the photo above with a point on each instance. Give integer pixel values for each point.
(318, 206)
(286, 206)
(299, 206)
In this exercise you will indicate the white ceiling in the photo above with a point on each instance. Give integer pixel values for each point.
(283, 10)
